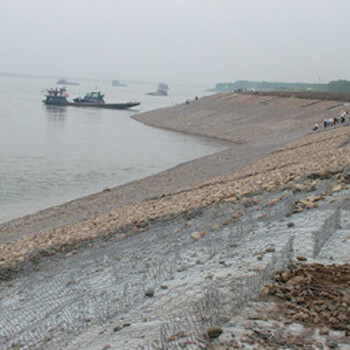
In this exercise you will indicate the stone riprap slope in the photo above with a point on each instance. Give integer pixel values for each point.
(166, 286)
(322, 153)
(310, 95)
(255, 126)
(245, 118)
(157, 273)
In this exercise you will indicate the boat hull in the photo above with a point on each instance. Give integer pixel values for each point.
(106, 105)
(56, 103)
(96, 105)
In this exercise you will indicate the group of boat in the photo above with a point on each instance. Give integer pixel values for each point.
(59, 97)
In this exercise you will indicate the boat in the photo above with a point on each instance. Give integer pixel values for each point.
(118, 83)
(93, 97)
(59, 97)
(162, 90)
(96, 99)
(66, 82)
(56, 97)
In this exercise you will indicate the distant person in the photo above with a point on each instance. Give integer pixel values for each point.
(326, 122)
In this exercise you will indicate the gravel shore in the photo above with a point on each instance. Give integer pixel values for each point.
(154, 263)
(254, 125)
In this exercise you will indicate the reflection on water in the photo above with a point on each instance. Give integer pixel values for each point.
(52, 154)
(56, 113)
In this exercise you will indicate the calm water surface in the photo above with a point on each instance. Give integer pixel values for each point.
(49, 155)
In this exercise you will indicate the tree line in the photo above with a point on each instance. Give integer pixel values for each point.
(332, 86)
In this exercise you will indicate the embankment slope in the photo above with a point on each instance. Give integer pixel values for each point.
(255, 125)
(156, 273)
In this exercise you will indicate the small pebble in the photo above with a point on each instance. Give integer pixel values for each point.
(149, 292)
(117, 328)
(301, 258)
(214, 332)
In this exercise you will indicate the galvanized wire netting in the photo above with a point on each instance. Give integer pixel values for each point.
(327, 230)
(216, 307)
(65, 297)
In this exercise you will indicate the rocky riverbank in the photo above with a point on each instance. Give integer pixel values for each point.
(256, 125)
(203, 242)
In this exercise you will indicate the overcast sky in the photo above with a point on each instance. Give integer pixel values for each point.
(177, 41)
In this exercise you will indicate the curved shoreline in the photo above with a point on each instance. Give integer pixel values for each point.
(258, 124)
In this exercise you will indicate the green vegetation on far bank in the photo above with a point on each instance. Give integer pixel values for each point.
(333, 86)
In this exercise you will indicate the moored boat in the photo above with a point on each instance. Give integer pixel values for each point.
(162, 90)
(96, 99)
(93, 97)
(56, 97)
(118, 83)
(66, 82)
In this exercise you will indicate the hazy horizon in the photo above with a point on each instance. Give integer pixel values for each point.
(178, 42)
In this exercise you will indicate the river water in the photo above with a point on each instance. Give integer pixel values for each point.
(49, 155)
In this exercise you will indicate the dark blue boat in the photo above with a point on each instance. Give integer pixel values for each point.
(95, 97)
(56, 97)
